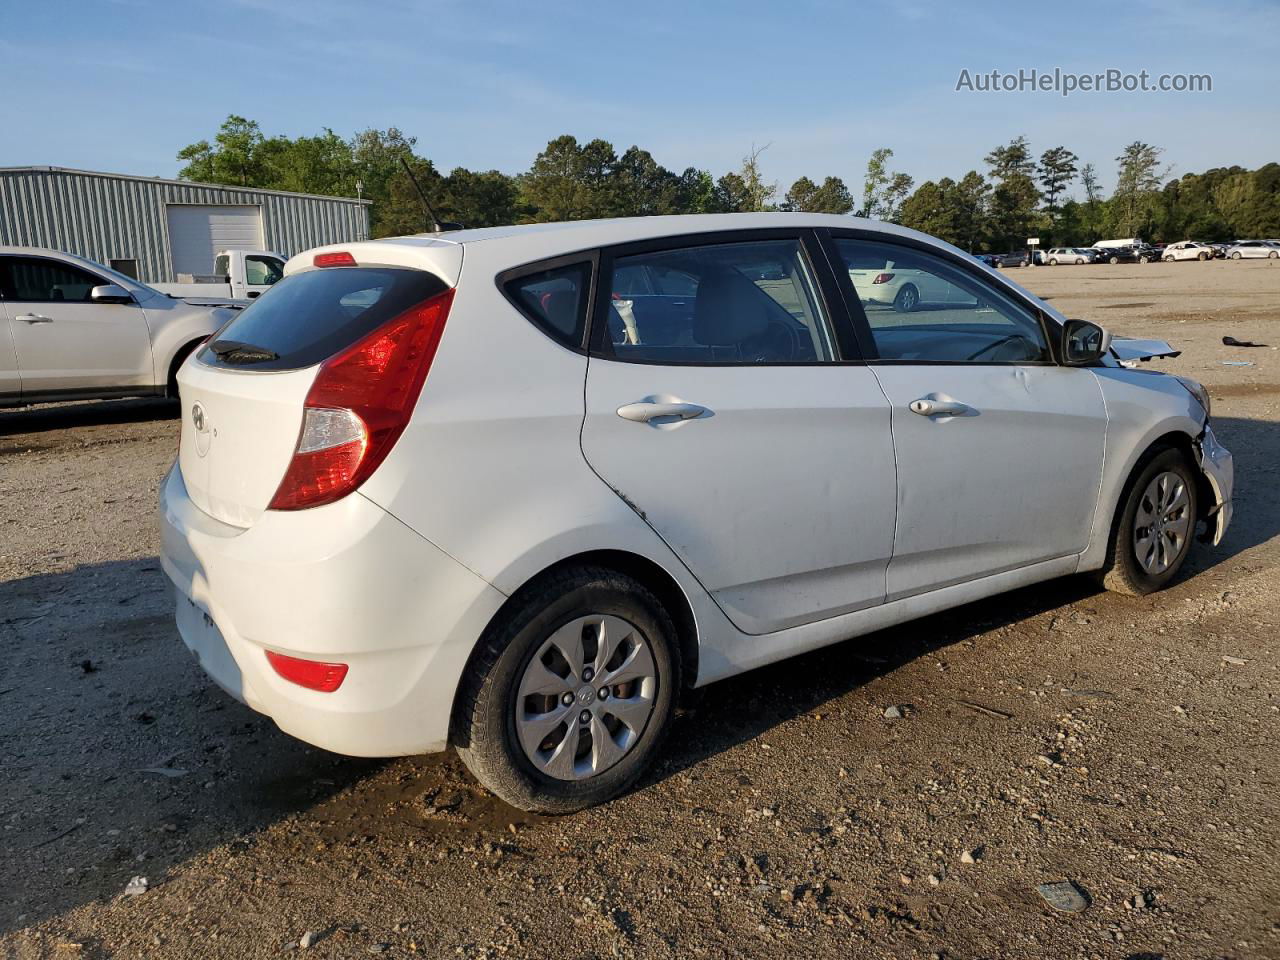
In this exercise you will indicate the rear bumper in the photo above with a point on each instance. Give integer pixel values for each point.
(347, 583)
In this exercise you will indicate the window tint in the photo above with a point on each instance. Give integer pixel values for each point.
(310, 316)
(725, 303)
(555, 300)
(921, 308)
(262, 270)
(37, 279)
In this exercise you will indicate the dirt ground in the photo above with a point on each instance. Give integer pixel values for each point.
(1052, 734)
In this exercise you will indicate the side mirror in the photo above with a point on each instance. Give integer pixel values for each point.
(110, 293)
(1083, 343)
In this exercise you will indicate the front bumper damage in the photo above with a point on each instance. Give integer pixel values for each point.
(1219, 473)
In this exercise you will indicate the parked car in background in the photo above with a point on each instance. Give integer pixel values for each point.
(1249, 249)
(1014, 259)
(1147, 253)
(989, 259)
(1058, 255)
(237, 275)
(1125, 242)
(514, 489)
(1220, 248)
(77, 330)
(1188, 250)
(1120, 255)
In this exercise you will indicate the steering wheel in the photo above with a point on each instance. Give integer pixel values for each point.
(997, 345)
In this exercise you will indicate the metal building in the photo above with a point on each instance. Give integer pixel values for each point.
(154, 229)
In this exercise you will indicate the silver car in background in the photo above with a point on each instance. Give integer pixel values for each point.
(72, 329)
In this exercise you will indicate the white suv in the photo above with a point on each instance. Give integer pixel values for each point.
(513, 489)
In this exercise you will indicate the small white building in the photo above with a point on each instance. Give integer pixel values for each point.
(154, 229)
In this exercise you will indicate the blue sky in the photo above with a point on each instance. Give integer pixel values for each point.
(121, 85)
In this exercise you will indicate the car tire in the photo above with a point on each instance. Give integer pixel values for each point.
(1114, 260)
(1273, 255)
(1132, 568)
(1053, 262)
(1144, 259)
(1168, 259)
(908, 298)
(1202, 256)
(1236, 255)
(493, 721)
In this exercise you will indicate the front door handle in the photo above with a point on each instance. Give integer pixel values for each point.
(33, 318)
(931, 407)
(643, 411)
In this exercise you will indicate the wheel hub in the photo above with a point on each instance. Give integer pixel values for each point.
(585, 697)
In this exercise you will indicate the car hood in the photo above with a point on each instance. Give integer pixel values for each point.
(1129, 351)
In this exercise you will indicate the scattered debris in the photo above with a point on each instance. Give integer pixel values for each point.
(894, 713)
(145, 718)
(1237, 363)
(1064, 896)
(1233, 342)
(973, 856)
(164, 771)
(88, 667)
(137, 887)
(989, 711)
(309, 939)
(58, 836)
(1237, 661)
(1090, 694)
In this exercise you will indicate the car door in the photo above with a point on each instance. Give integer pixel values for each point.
(10, 380)
(999, 449)
(750, 439)
(64, 341)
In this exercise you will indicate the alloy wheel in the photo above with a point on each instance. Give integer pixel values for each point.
(1162, 523)
(586, 696)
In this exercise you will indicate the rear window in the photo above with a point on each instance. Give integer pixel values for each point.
(555, 300)
(308, 317)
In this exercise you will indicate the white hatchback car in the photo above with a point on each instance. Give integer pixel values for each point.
(512, 489)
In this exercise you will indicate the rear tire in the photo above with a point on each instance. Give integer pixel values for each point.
(908, 299)
(1145, 554)
(179, 358)
(531, 747)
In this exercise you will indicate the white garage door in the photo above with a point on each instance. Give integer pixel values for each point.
(197, 233)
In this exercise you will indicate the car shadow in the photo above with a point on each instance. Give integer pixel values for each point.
(120, 757)
(84, 413)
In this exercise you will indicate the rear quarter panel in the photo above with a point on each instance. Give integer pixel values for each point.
(490, 469)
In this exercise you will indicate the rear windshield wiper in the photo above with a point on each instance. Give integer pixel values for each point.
(234, 351)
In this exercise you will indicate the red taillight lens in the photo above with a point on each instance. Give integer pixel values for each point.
(339, 259)
(359, 404)
(883, 278)
(312, 674)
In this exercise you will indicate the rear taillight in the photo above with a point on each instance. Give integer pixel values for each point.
(359, 404)
(883, 278)
(312, 674)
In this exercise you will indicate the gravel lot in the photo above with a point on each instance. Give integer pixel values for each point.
(1052, 734)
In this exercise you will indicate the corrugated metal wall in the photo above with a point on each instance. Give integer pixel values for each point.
(101, 216)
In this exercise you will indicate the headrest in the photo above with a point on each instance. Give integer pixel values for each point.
(729, 309)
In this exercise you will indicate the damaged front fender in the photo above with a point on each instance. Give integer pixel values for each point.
(1219, 472)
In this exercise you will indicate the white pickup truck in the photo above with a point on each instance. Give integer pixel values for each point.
(237, 275)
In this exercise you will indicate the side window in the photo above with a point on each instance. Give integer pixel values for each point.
(921, 308)
(732, 303)
(39, 280)
(262, 270)
(555, 300)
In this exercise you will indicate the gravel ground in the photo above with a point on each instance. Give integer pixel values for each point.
(1052, 734)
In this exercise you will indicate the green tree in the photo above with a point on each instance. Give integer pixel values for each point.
(972, 197)
(480, 198)
(235, 157)
(1137, 181)
(883, 191)
(757, 195)
(1057, 170)
(1015, 197)
(808, 197)
(932, 209)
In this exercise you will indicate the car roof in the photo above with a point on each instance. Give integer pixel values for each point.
(515, 245)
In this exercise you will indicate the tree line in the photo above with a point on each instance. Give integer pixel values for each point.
(1017, 196)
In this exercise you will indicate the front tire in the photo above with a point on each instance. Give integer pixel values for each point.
(571, 691)
(1202, 256)
(1236, 255)
(1154, 527)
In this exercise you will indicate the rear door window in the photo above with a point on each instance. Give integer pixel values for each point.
(308, 317)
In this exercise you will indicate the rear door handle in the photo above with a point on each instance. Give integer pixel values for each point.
(643, 411)
(929, 407)
(33, 318)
